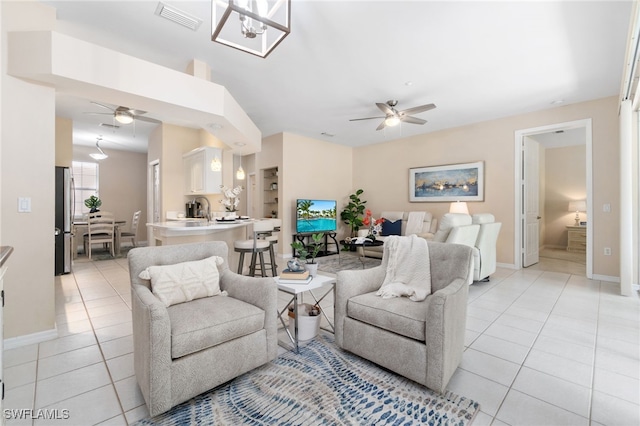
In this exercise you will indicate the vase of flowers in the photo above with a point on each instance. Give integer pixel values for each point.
(374, 225)
(231, 200)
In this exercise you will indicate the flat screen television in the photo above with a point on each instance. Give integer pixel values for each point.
(314, 216)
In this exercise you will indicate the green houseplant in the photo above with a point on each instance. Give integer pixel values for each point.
(303, 251)
(93, 203)
(354, 211)
(310, 251)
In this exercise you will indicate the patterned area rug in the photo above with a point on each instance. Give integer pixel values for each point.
(322, 385)
(345, 261)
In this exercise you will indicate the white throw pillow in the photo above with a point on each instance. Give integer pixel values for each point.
(184, 281)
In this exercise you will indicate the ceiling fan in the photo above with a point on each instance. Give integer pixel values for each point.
(393, 117)
(123, 115)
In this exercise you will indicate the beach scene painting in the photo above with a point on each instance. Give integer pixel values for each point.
(453, 182)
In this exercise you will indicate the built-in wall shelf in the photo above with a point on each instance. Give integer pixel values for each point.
(270, 192)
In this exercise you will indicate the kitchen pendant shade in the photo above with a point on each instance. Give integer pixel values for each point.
(253, 26)
(240, 173)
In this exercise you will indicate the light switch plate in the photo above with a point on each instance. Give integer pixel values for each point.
(24, 204)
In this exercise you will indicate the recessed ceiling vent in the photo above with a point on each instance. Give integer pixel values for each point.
(178, 16)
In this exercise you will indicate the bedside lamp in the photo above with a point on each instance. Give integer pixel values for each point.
(577, 206)
(459, 207)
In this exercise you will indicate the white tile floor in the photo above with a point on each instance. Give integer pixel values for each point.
(542, 348)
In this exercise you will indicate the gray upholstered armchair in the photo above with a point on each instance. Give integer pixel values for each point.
(188, 348)
(422, 341)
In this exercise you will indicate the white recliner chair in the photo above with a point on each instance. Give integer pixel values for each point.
(457, 228)
(484, 253)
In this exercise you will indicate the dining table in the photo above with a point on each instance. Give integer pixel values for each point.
(81, 226)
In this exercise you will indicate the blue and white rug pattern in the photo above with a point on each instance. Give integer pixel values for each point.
(322, 385)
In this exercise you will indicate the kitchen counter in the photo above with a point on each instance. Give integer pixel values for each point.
(194, 231)
(195, 227)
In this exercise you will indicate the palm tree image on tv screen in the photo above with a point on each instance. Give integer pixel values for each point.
(315, 216)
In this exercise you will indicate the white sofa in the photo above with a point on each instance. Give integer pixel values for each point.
(484, 253)
(425, 228)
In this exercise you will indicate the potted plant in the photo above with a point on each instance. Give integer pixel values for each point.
(93, 203)
(352, 214)
(305, 254)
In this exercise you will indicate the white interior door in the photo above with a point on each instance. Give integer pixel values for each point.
(531, 202)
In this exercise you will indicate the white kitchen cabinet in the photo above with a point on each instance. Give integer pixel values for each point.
(199, 177)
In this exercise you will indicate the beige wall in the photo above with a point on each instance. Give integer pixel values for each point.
(27, 166)
(308, 168)
(566, 176)
(493, 143)
(64, 142)
(123, 183)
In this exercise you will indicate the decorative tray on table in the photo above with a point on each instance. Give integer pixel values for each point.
(225, 220)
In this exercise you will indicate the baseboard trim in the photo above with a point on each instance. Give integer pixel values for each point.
(506, 265)
(29, 339)
(607, 278)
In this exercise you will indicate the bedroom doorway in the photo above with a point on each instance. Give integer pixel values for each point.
(542, 214)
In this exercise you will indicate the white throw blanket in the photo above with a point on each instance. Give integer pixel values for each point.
(408, 269)
(414, 223)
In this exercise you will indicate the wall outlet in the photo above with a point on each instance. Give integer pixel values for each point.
(606, 208)
(607, 251)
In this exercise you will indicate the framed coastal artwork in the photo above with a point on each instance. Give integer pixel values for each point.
(453, 182)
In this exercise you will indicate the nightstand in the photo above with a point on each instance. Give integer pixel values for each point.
(577, 239)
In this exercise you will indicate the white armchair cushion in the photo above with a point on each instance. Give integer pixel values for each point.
(186, 281)
(449, 221)
(481, 218)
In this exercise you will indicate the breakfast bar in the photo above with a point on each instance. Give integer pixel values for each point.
(193, 231)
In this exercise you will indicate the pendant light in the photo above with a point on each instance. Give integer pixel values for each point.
(100, 155)
(253, 26)
(240, 175)
(216, 165)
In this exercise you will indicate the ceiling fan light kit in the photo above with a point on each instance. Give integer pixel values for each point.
(253, 26)
(393, 117)
(123, 116)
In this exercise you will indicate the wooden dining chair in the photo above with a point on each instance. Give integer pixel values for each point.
(100, 230)
(133, 231)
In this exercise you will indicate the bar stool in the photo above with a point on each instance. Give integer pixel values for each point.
(273, 240)
(256, 246)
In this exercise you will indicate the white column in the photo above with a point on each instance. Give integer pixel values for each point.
(626, 198)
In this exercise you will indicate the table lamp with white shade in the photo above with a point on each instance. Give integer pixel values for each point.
(459, 207)
(577, 206)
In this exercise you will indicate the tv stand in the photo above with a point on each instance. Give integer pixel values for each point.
(307, 241)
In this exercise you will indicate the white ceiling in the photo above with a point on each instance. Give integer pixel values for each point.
(476, 60)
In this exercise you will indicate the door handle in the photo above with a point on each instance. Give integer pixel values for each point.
(539, 217)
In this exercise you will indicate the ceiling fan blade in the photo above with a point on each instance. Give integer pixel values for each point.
(368, 118)
(385, 108)
(103, 106)
(381, 126)
(147, 119)
(98, 113)
(136, 111)
(418, 109)
(412, 120)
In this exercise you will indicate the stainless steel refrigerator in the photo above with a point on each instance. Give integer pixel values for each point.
(64, 216)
